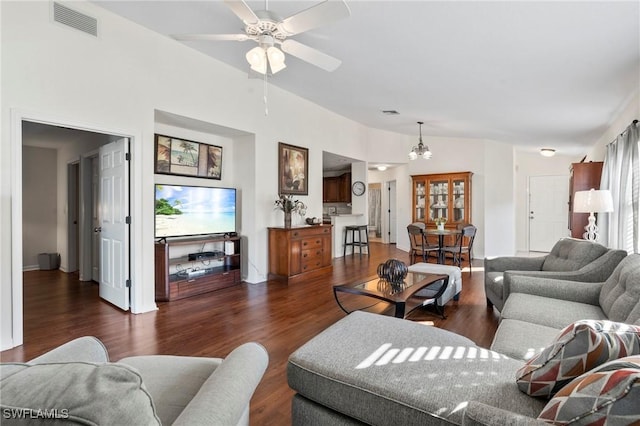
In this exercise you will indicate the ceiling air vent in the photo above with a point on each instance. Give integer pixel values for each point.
(75, 19)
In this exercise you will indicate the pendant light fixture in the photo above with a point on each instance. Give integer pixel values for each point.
(421, 150)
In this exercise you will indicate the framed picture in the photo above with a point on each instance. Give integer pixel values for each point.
(187, 158)
(293, 169)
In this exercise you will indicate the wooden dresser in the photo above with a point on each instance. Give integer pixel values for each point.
(298, 253)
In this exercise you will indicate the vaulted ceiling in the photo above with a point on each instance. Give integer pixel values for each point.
(538, 73)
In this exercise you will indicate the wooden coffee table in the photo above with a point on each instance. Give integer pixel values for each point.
(418, 289)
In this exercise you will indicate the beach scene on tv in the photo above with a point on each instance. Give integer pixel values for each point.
(193, 210)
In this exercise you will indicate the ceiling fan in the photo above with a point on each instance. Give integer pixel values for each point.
(269, 31)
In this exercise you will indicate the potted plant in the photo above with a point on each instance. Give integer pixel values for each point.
(440, 221)
(288, 205)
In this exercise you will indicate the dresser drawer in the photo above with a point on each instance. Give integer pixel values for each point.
(312, 264)
(310, 254)
(311, 243)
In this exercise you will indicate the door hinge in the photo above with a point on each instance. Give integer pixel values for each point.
(127, 220)
(127, 156)
(127, 283)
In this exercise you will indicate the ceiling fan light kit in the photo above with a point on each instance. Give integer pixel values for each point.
(268, 30)
(421, 150)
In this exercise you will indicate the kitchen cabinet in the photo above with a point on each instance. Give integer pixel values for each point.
(337, 189)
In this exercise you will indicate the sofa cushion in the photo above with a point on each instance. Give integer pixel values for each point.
(570, 254)
(620, 294)
(548, 311)
(172, 381)
(608, 394)
(522, 340)
(578, 348)
(384, 370)
(85, 393)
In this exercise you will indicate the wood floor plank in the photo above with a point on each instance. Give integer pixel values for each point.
(58, 308)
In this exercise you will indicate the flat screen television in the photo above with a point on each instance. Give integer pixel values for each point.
(182, 210)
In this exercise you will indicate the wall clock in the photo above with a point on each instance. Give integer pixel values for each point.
(358, 188)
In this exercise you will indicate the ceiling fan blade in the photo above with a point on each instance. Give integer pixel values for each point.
(311, 55)
(242, 11)
(321, 14)
(211, 37)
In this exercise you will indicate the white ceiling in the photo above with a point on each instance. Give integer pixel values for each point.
(544, 73)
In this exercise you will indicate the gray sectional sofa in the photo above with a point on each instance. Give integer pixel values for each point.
(371, 369)
(569, 259)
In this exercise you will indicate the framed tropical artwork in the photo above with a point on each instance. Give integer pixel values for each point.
(293, 169)
(176, 156)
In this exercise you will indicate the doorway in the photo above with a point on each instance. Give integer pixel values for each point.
(548, 211)
(67, 142)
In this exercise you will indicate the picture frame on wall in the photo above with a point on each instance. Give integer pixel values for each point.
(175, 156)
(293, 169)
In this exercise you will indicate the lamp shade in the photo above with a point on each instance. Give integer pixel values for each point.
(593, 201)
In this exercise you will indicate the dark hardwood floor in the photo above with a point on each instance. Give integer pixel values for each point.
(58, 308)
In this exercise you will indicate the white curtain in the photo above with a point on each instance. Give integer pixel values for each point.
(621, 175)
(375, 210)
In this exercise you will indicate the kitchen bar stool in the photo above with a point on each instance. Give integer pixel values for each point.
(356, 238)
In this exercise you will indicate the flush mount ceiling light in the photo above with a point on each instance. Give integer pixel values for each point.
(382, 167)
(421, 150)
(547, 152)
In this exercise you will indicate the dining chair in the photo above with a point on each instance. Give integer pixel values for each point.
(463, 246)
(418, 240)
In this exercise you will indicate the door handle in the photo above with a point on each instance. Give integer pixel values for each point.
(97, 229)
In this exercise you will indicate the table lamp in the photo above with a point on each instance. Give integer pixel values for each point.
(592, 201)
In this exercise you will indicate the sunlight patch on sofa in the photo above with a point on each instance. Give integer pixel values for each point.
(386, 354)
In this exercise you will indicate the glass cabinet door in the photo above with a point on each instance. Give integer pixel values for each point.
(458, 200)
(420, 194)
(438, 199)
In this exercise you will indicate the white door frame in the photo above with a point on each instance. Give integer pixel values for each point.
(17, 117)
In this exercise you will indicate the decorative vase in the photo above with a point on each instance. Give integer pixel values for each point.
(287, 219)
(393, 270)
(440, 226)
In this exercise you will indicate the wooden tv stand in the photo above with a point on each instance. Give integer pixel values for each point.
(178, 277)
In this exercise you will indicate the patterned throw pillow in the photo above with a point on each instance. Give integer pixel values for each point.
(578, 348)
(610, 394)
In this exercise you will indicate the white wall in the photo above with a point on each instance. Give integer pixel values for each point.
(39, 214)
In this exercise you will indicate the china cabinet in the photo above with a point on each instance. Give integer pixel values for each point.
(442, 197)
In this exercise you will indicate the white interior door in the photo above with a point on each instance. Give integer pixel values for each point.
(548, 211)
(113, 229)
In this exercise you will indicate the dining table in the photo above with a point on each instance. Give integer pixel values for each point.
(441, 233)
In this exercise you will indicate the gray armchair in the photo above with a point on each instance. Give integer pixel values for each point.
(154, 389)
(570, 259)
